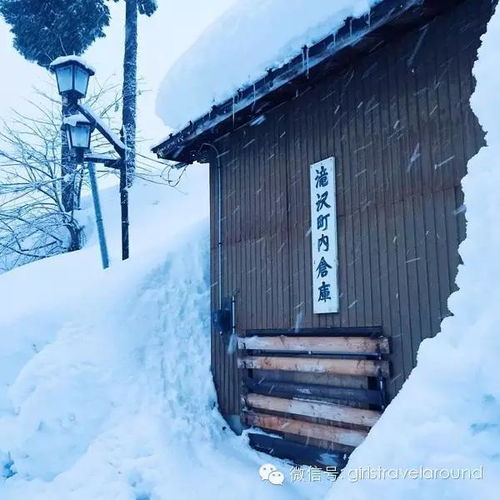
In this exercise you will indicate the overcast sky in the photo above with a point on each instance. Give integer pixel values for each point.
(163, 38)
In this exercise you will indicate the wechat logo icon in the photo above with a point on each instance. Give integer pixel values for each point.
(268, 472)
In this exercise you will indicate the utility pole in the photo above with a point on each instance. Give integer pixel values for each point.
(124, 210)
(130, 88)
(129, 115)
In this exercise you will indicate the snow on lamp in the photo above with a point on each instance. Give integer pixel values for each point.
(72, 75)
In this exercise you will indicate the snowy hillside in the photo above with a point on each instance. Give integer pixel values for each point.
(249, 38)
(105, 387)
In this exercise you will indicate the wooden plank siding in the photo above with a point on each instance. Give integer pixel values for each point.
(314, 409)
(400, 127)
(344, 345)
(361, 367)
(307, 430)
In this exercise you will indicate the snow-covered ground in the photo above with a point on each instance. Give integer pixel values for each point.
(238, 48)
(105, 386)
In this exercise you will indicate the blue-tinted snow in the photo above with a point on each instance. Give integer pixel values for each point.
(251, 37)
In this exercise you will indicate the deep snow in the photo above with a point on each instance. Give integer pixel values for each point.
(252, 36)
(105, 386)
(105, 389)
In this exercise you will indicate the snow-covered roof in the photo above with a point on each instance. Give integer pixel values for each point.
(251, 37)
(78, 59)
(193, 86)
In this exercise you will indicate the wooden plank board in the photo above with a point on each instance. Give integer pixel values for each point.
(350, 331)
(299, 454)
(326, 411)
(282, 389)
(329, 433)
(350, 345)
(361, 367)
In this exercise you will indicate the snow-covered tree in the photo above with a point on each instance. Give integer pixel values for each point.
(44, 30)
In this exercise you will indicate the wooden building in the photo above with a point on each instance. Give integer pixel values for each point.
(381, 107)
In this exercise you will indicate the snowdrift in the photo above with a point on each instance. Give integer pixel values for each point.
(252, 36)
(105, 384)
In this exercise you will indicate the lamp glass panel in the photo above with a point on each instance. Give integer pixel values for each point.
(64, 75)
(81, 80)
(80, 136)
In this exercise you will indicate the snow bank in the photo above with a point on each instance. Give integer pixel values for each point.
(249, 38)
(447, 416)
(105, 384)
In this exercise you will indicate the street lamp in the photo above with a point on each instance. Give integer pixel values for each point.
(78, 130)
(72, 75)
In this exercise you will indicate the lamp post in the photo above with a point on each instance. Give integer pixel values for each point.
(78, 131)
(73, 75)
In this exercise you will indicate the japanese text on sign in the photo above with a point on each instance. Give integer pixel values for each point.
(324, 237)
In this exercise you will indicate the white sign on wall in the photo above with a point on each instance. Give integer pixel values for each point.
(324, 237)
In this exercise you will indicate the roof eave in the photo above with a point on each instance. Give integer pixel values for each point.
(356, 37)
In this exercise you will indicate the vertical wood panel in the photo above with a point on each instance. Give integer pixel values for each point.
(399, 125)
